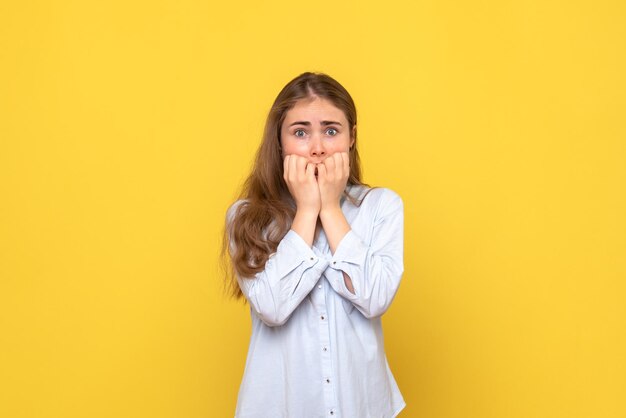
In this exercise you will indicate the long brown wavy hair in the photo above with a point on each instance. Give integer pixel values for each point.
(267, 209)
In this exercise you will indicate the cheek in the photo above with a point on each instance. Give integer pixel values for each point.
(295, 147)
(340, 145)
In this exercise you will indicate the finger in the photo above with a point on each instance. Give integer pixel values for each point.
(310, 171)
(339, 162)
(321, 172)
(293, 172)
(301, 166)
(286, 167)
(330, 164)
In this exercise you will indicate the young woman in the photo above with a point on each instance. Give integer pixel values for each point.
(318, 255)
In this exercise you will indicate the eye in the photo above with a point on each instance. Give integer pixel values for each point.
(332, 129)
(296, 133)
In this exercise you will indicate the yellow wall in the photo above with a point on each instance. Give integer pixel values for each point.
(126, 128)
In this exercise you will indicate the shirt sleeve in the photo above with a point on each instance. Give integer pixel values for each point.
(288, 277)
(375, 269)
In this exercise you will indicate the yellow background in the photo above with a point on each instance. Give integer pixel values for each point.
(126, 128)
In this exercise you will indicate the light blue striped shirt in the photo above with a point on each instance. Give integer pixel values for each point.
(316, 349)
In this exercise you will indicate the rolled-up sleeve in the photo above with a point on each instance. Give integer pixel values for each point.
(375, 269)
(288, 277)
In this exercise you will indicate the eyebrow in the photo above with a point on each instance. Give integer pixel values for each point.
(324, 122)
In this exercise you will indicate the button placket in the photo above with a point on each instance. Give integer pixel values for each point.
(328, 383)
(317, 297)
(324, 333)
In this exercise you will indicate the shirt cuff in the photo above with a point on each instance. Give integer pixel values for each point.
(297, 248)
(351, 250)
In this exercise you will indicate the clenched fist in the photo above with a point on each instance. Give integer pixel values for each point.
(299, 175)
(333, 174)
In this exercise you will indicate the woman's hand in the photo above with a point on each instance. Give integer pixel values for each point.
(299, 175)
(332, 177)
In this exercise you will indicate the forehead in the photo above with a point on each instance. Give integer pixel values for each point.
(314, 110)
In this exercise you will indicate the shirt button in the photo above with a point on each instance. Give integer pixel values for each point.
(324, 349)
(319, 286)
(322, 317)
(334, 262)
(332, 412)
(312, 258)
(327, 380)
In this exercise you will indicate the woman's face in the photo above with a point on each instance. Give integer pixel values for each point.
(315, 129)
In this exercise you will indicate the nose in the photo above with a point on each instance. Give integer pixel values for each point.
(317, 146)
